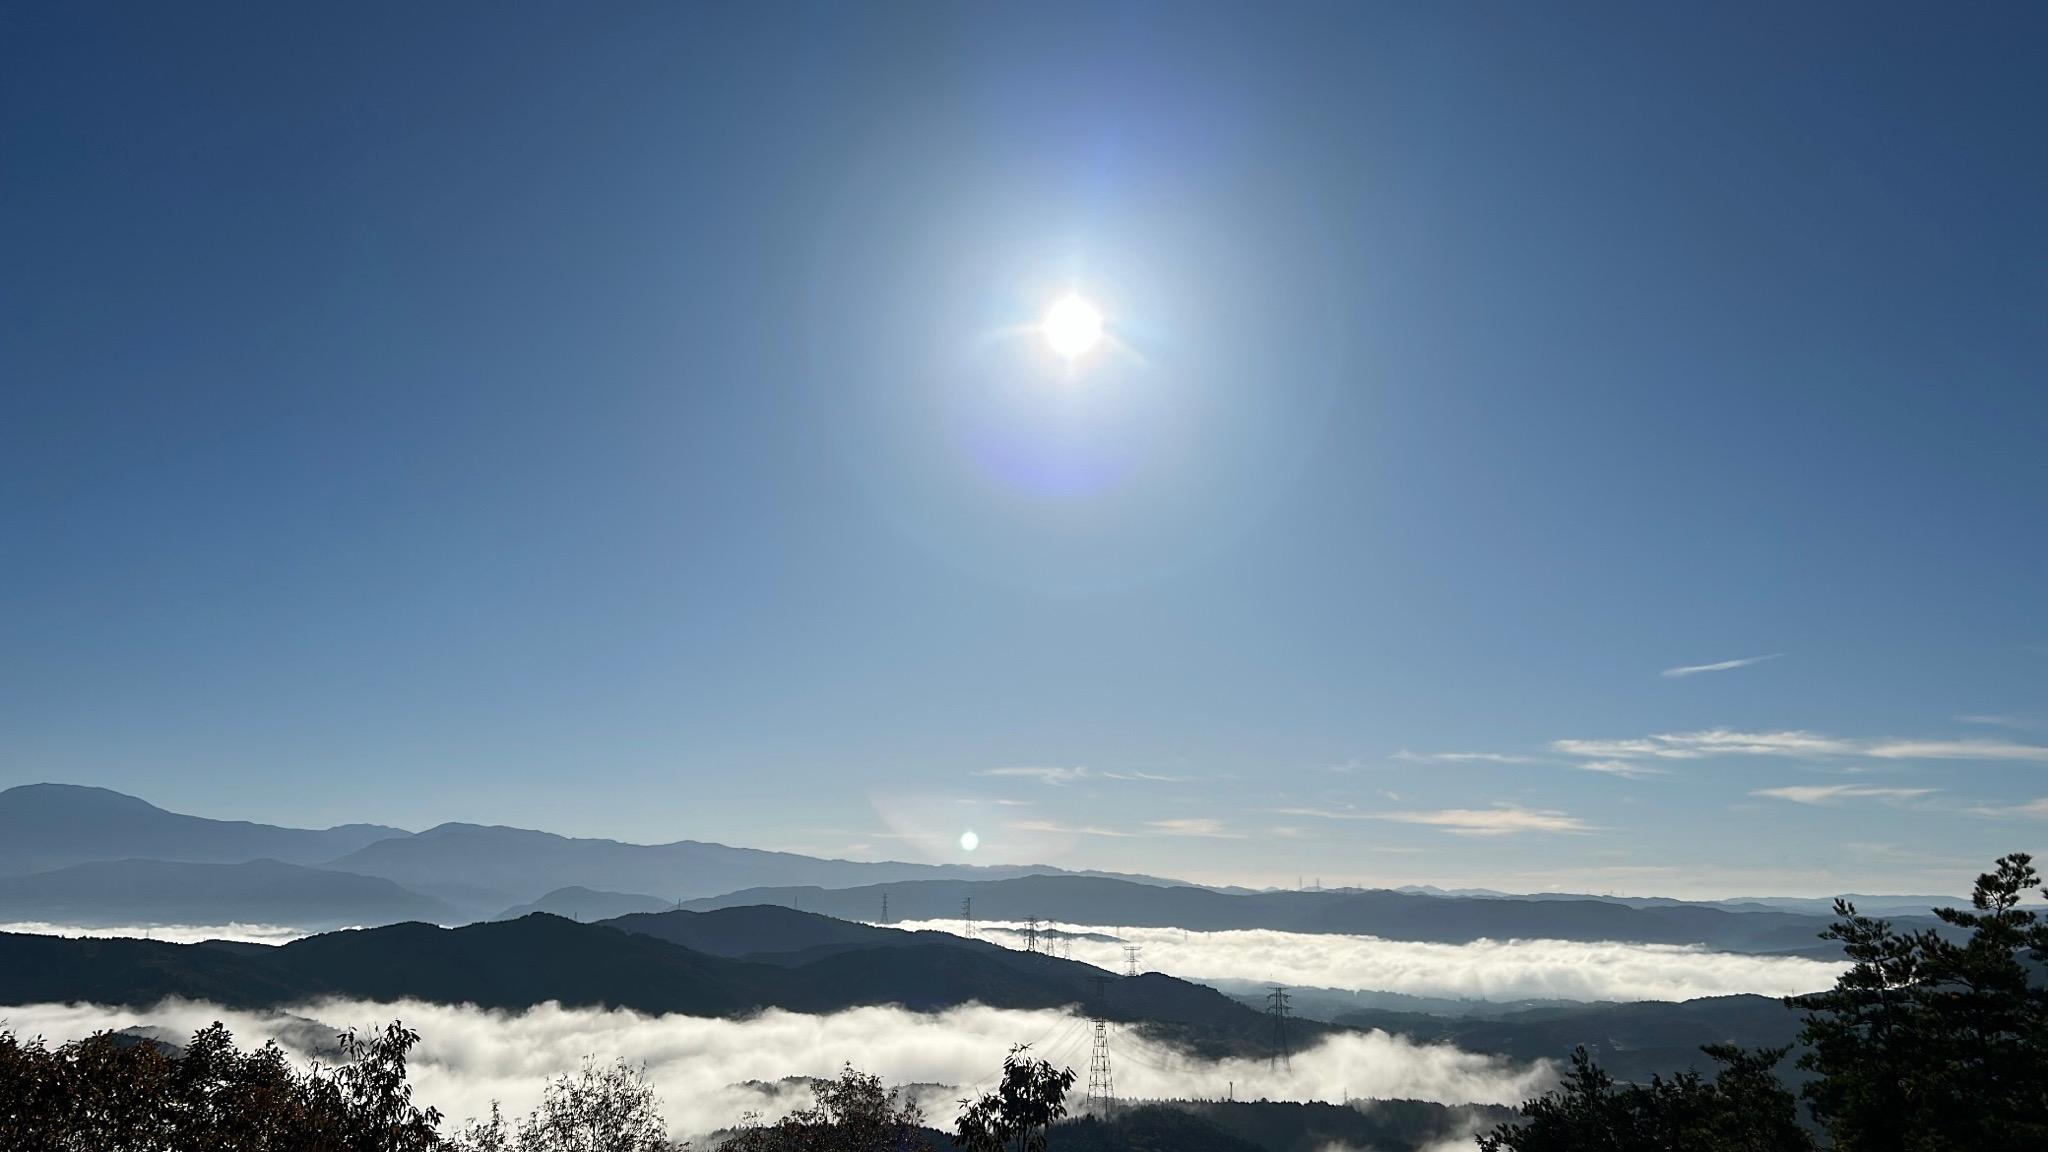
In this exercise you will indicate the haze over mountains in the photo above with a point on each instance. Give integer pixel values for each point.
(92, 857)
(462, 871)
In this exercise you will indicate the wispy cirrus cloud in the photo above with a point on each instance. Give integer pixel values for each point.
(1830, 793)
(1795, 743)
(1501, 820)
(1957, 750)
(1718, 666)
(1998, 720)
(1042, 775)
(1710, 742)
(1194, 826)
(1627, 769)
(1465, 758)
(1055, 828)
(2031, 810)
(1062, 776)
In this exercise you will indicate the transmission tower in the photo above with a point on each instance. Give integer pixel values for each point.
(1031, 934)
(1101, 1089)
(885, 907)
(1131, 959)
(967, 917)
(1277, 1008)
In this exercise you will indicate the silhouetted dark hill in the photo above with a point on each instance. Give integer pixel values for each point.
(45, 826)
(1387, 914)
(757, 930)
(137, 973)
(519, 963)
(485, 869)
(118, 892)
(587, 904)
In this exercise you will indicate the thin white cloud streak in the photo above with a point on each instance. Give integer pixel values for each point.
(169, 933)
(1196, 826)
(1711, 742)
(1998, 721)
(1503, 820)
(2031, 810)
(468, 1056)
(1054, 828)
(1042, 775)
(1958, 750)
(1625, 769)
(1797, 743)
(1483, 969)
(1717, 666)
(1828, 793)
(1464, 758)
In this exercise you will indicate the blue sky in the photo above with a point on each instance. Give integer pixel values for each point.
(627, 422)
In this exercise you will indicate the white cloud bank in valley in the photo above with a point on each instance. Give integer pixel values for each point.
(469, 1056)
(1484, 969)
(169, 933)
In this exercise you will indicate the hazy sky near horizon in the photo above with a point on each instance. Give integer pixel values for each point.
(1576, 445)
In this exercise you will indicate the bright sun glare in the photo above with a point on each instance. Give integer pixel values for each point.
(969, 841)
(1072, 326)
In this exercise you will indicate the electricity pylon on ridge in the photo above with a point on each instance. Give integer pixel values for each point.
(1101, 1088)
(967, 917)
(1031, 934)
(1277, 1008)
(1131, 959)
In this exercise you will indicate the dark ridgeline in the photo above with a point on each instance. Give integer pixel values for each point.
(520, 963)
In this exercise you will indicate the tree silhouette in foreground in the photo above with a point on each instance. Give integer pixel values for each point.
(1016, 1116)
(1743, 1108)
(108, 1094)
(1928, 1043)
(1924, 1044)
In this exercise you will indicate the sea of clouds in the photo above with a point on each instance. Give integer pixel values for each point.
(171, 933)
(469, 1057)
(1480, 970)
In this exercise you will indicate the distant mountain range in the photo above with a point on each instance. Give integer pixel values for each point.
(450, 873)
(144, 892)
(91, 857)
(44, 826)
(1387, 914)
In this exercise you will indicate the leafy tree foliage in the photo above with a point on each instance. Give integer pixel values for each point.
(1743, 1108)
(108, 1094)
(853, 1113)
(600, 1108)
(1928, 1043)
(1016, 1116)
(1925, 1044)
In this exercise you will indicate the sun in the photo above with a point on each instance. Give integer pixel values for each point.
(969, 841)
(1072, 326)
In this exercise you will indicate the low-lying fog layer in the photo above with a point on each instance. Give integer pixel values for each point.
(468, 1056)
(171, 933)
(1482, 970)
